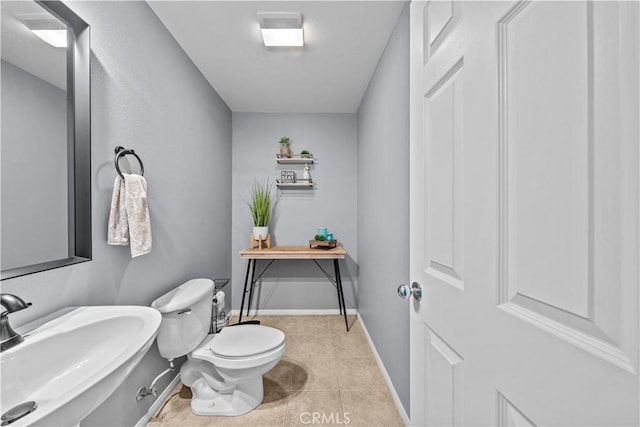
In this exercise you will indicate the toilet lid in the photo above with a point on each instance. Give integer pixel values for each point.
(246, 340)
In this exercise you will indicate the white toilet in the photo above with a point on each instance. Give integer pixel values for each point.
(223, 370)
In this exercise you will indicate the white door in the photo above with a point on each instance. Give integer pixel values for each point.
(525, 226)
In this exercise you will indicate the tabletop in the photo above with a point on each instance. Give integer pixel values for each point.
(293, 252)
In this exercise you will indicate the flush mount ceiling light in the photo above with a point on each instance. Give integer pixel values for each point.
(281, 28)
(48, 29)
(57, 38)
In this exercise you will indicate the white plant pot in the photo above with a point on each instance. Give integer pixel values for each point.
(260, 231)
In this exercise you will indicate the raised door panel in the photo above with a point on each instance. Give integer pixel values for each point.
(444, 380)
(443, 129)
(440, 18)
(565, 197)
(508, 415)
(548, 156)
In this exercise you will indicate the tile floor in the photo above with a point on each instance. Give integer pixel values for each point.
(328, 376)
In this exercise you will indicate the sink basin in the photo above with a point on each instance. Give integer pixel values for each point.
(71, 364)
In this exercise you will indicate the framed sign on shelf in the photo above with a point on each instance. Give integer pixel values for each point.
(287, 176)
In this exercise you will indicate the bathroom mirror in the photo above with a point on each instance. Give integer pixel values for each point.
(45, 203)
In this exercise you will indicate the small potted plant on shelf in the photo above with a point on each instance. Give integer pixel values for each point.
(285, 150)
(305, 154)
(260, 206)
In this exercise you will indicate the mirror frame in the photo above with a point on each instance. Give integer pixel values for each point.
(78, 142)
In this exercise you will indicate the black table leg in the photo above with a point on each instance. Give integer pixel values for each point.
(251, 286)
(244, 290)
(343, 306)
(335, 270)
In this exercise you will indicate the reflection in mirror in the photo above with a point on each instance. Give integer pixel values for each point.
(34, 139)
(45, 170)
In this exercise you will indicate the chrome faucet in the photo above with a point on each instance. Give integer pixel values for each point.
(9, 337)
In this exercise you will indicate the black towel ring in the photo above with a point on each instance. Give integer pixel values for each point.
(121, 151)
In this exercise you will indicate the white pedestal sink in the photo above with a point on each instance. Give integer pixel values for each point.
(70, 365)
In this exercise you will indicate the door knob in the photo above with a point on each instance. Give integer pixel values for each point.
(404, 291)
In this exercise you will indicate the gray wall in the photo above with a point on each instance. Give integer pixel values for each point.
(383, 206)
(34, 169)
(297, 214)
(147, 95)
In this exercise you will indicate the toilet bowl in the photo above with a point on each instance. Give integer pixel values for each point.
(223, 370)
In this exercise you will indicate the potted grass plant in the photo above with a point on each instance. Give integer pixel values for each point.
(285, 150)
(260, 205)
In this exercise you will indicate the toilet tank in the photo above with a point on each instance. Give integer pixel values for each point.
(186, 317)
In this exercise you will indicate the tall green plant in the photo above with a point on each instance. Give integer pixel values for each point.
(260, 203)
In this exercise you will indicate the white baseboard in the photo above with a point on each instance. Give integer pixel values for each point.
(159, 402)
(295, 312)
(385, 374)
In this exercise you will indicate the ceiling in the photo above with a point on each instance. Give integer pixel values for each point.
(343, 43)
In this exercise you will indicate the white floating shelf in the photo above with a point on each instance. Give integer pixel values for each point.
(300, 184)
(294, 160)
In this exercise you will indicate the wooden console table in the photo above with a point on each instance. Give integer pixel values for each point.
(288, 253)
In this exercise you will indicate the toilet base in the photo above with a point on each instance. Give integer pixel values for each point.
(245, 397)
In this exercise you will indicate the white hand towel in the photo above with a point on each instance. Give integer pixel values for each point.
(118, 228)
(135, 202)
(129, 215)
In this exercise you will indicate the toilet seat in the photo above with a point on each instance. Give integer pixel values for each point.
(243, 341)
(259, 344)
